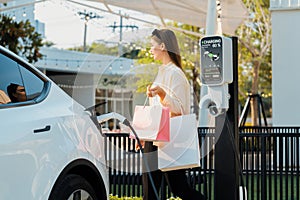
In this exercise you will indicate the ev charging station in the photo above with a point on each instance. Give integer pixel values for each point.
(219, 101)
(219, 66)
(216, 73)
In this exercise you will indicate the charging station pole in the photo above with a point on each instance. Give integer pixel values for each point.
(226, 166)
(219, 77)
(219, 72)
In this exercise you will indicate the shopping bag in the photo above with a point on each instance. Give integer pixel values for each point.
(151, 123)
(183, 149)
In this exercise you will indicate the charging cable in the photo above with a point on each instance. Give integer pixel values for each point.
(236, 155)
(127, 123)
(123, 120)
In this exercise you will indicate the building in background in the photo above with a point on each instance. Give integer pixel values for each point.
(285, 63)
(92, 78)
(88, 78)
(21, 10)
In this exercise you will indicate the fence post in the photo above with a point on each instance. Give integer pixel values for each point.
(263, 168)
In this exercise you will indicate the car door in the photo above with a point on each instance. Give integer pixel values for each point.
(25, 129)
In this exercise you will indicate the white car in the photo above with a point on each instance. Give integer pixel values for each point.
(50, 148)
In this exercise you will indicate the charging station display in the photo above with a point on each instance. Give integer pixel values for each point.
(216, 73)
(216, 60)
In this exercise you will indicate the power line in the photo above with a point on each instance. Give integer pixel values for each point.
(121, 26)
(86, 16)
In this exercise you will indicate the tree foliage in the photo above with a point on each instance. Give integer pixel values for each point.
(255, 54)
(21, 38)
(103, 49)
(145, 67)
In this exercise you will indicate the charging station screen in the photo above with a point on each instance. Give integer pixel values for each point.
(211, 60)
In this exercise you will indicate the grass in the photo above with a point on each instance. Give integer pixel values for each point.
(285, 188)
(111, 197)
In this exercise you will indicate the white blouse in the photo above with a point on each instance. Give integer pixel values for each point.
(172, 79)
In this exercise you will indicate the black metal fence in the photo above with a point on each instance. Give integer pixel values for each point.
(269, 156)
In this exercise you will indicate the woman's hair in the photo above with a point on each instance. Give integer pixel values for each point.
(168, 37)
(12, 89)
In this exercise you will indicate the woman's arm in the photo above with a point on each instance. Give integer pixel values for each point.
(175, 93)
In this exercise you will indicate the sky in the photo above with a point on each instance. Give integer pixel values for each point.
(65, 28)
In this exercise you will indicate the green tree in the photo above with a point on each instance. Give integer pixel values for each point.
(146, 68)
(255, 53)
(20, 38)
(103, 49)
(130, 51)
(190, 52)
(48, 44)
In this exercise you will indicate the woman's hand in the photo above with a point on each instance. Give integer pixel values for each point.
(137, 146)
(156, 90)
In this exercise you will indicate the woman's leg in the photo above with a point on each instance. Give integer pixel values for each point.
(148, 192)
(180, 187)
(150, 156)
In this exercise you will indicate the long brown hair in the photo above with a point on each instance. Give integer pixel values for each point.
(168, 37)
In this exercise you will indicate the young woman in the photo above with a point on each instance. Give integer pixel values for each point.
(170, 89)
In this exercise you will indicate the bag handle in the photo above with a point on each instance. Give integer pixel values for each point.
(180, 104)
(181, 110)
(181, 107)
(146, 100)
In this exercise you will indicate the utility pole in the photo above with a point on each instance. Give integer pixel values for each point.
(121, 26)
(86, 16)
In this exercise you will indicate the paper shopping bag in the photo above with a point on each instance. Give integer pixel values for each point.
(183, 149)
(151, 123)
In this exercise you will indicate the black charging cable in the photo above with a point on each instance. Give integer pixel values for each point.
(230, 130)
(127, 123)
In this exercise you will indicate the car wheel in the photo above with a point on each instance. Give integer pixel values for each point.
(73, 187)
